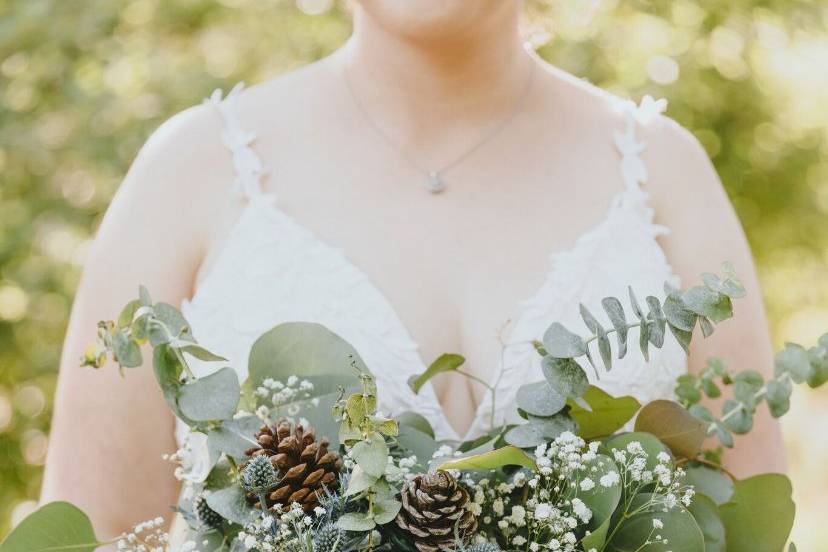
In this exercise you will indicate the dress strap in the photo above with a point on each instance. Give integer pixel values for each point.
(248, 167)
(633, 170)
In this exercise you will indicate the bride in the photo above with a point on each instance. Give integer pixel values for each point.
(430, 187)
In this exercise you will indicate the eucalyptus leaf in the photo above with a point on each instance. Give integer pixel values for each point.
(793, 360)
(127, 352)
(371, 455)
(539, 430)
(356, 521)
(386, 510)
(446, 362)
(565, 376)
(680, 532)
(422, 445)
(234, 437)
(778, 396)
(359, 481)
(539, 399)
(706, 514)
(212, 397)
(683, 337)
(303, 349)
(706, 302)
(760, 515)
(736, 417)
(175, 326)
(677, 314)
(650, 443)
(602, 501)
(674, 426)
(606, 415)
(231, 504)
(201, 353)
(52, 527)
(416, 421)
(128, 313)
(710, 482)
(562, 343)
(615, 312)
(658, 321)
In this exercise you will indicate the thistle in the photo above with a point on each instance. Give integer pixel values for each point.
(259, 475)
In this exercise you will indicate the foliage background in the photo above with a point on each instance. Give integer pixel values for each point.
(84, 82)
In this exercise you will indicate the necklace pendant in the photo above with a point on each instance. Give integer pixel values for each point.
(435, 183)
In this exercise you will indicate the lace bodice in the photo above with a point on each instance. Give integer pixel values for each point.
(273, 270)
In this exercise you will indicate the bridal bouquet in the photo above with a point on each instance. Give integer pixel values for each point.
(298, 458)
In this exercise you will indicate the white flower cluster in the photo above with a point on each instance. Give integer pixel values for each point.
(638, 472)
(147, 536)
(540, 511)
(269, 534)
(284, 394)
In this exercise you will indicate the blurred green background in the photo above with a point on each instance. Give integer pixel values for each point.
(83, 83)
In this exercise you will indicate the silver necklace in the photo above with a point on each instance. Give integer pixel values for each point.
(434, 177)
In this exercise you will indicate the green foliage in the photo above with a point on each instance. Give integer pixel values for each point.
(601, 414)
(83, 88)
(793, 364)
(680, 531)
(674, 426)
(54, 527)
(491, 460)
(759, 515)
(446, 362)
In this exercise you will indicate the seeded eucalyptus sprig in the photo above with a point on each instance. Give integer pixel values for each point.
(363, 431)
(551, 407)
(792, 365)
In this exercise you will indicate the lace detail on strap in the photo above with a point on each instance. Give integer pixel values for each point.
(633, 170)
(248, 166)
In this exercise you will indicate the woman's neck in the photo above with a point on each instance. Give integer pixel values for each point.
(417, 87)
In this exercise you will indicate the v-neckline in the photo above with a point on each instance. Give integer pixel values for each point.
(250, 171)
(268, 202)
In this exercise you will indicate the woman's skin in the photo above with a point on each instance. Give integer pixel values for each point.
(436, 75)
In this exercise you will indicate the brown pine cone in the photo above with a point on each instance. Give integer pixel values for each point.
(433, 505)
(303, 465)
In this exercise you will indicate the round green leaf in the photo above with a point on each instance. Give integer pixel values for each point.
(561, 343)
(539, 430)
(778, 396)
(53, 527)
(650, 443)
(606, 414)
(539, 399)
(231, 504)
(565, 376)
(759, 516)
(680, 531)
(706, 514)
(302, 349)
(674, 426)
(712, 483)
(371, 455)
(212, 397)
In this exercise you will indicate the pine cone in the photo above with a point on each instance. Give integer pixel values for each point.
(304, 465)
(433, 505)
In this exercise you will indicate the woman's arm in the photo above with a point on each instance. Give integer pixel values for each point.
(705, 232)
(109, 432)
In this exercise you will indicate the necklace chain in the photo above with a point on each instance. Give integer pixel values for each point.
(434, 177)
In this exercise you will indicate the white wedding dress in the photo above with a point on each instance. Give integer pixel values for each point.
(273, 270)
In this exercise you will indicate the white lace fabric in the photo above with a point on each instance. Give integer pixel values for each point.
(273, 270)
